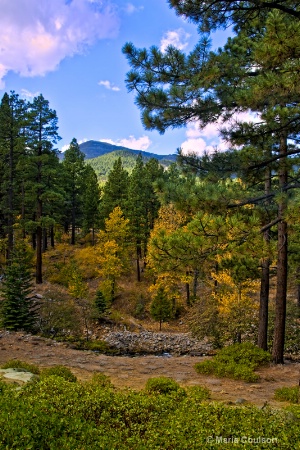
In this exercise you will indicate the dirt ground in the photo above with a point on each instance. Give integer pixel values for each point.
(133, 372)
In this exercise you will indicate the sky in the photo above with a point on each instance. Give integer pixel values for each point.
(71, 52)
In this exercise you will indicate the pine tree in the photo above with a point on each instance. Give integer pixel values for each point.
(12, 146)
(90, 202)
(40, 165)
(73, 165)
(17, 308)
(161, 307)
(115, 191)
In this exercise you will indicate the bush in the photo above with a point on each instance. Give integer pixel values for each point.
(59, 371)
(102, 380)
(237, 361)
(162, 385)
(198, 392)
(17, 364)
(288, 394)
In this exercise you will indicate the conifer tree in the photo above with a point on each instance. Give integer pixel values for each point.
(17, 309)
(115, 191)
(90, 202)
(161, 307)
(73, 165)
(12, 146)
(39, 166)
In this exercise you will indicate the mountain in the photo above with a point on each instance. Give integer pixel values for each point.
(93, 149)
(101, 156)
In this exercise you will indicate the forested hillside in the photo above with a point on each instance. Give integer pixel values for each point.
(102, 165)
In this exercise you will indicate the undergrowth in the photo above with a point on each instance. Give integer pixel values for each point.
(52, 413)
(237, 361)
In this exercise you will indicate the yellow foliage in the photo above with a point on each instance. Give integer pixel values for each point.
(86, 258)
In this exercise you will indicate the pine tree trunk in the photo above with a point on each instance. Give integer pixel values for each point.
(282, 259)
(195, 283)
(264, 306)
(39, 238)
(265, 283)
(188, 295)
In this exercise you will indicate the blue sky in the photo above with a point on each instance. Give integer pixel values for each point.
(70, 51)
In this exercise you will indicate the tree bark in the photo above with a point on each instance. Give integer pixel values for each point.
(282, 259)
(265, 282)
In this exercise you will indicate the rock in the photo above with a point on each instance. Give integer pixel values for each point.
(240, 401)
(17, 375)
(146, 342)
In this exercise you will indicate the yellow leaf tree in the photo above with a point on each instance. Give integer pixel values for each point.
(112, 252)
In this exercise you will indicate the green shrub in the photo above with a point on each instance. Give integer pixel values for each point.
(17, 364)
(288, 394)
(102, 380)
(245, 354)
(59, 371)
(55, 414)
(198, 392)
(162, 385)
(237, 361)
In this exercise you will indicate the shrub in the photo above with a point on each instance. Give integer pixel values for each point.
(198, 393)
(288, 394)
(102, 380)
(162, 385)
(245, 354)
(59, 371)
(237, 361)
(17, 364)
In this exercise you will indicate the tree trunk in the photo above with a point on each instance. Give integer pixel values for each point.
(195, 283)
(265, 282)
(39, 238)
(188, 294)
(282, 259)
(264, 305)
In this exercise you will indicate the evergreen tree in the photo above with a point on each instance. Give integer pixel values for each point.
(74, 168)
(40, 165)
(115, 191)
(12, 146)
(161, 307)
(17, 308)
(257, 69)
(90, 202)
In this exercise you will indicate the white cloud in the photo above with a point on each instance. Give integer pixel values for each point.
(29, 95)
(130, 8)
(108, 85)
(208, 138)
(177, 38)
(142, 143)
(65, 147)
(35, 36)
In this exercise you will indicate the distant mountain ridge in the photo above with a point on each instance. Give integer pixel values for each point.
(93, 149)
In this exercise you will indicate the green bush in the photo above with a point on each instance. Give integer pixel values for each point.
(198, 392)
(237, 361)
(17, 364)
(59, 371)
(55, 414)
(102, 380)
(162, 385)
(288, 394)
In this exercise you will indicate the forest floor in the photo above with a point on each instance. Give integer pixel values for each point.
(133, 372)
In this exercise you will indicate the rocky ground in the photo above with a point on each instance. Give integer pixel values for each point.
(133, 372)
